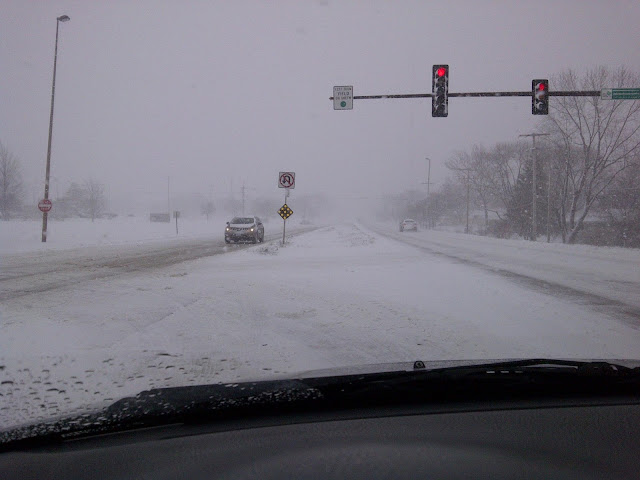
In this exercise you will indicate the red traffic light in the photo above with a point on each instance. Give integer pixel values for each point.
(439, 90)
(540, 97)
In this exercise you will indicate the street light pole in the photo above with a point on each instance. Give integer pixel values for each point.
(62, 18)
(428, 219)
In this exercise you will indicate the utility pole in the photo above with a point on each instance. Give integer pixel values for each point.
(242, 189)
(468, 170)
(428, 205)
(549, 204)
(169, 196)
(534, 229)
(466, 230)
(233, 198)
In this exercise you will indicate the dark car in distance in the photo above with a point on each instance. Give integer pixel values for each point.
(247, 229)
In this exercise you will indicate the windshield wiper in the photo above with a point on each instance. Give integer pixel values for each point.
(580, 367)
(522, 377)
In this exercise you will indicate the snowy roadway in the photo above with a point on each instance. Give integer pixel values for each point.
(337, 296)
(608, 278)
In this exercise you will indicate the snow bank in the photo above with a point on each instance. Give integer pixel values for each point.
(18, 236)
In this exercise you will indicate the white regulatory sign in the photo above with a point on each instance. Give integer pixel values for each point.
(287, 180)
(343, 98)
(606, 94)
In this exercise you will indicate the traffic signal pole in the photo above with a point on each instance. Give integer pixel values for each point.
(563, 93)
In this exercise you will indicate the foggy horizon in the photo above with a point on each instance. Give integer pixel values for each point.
(217, 95)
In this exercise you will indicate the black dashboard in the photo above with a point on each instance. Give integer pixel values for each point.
(542, 440)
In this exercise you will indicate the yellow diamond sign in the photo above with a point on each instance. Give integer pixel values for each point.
(285, 212)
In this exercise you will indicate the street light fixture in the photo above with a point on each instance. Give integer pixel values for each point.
(61, 18)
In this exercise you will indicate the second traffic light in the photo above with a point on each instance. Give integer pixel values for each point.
(540, 97)
(440, 91)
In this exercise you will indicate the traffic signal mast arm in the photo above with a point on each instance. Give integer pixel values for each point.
(551, 93)
(540, 94)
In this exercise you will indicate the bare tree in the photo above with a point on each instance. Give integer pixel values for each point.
(519, 209)
(489, 173)
(73, 203)
(506, 162)
(595, 141)
(448, 203)
(620, 207)
(96, 201)
(11, 188)
(495, 177)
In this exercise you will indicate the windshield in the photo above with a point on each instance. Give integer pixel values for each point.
(434, 181)
(238, 220)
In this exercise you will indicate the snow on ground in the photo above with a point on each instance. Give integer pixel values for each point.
(338, 296)
(610, 272)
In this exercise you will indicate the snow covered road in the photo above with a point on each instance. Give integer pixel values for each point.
(605, 278)
(338, 296)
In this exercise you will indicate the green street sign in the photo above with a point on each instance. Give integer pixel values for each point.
(620, 94)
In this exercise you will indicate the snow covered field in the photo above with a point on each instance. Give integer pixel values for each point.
(339, 296)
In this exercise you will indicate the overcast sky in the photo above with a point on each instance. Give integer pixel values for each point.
(217, 93)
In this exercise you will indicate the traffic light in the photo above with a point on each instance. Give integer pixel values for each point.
(540, 97)
(440, 91)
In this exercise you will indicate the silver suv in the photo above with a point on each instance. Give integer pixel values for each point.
(244, 229)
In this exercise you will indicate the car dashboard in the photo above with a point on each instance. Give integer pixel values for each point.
(590, 439)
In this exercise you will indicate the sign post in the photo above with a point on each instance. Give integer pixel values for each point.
(285, 212)
(286, 180)
(176, 214)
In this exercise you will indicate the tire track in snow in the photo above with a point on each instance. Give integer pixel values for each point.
(43, 276)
